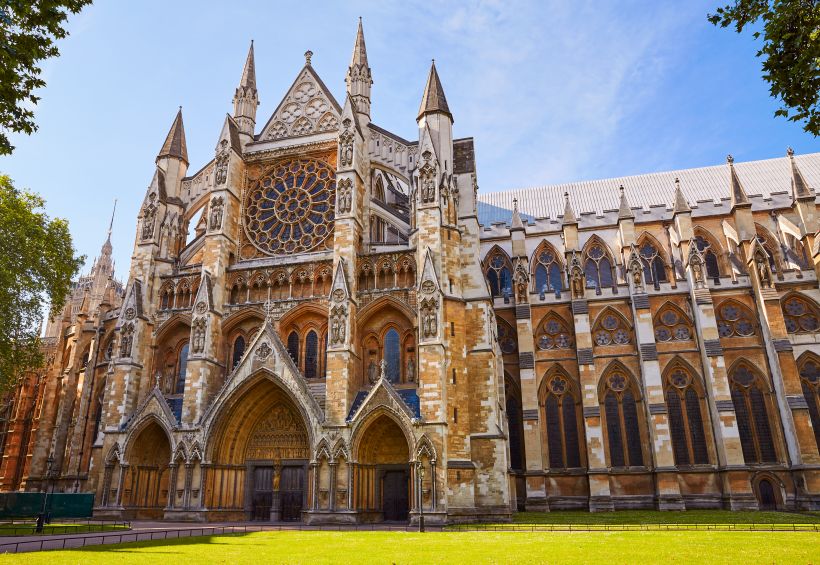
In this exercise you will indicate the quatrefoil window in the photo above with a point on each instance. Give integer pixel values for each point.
(289, 209)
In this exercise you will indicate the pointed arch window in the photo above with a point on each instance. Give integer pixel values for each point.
(548, 271)
(654, 269)
(562, 417)
(293, 346)
(311, 355)
(553, 334)
(810, 381)
(182, 370)
(750, 399)
(735, 320)
(507, 338)
(238, 351)
(684, 405)
(769, 245)
(797, 252)
(611, 329)
(709, 257)
(800, 315)
(672, 325)
(598, 268)
(499, 274)
(392, 355)
(515, 423)
(622, 423)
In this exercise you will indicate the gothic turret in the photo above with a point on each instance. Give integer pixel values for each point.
(246, 99)
(173, 157)
(359, 78)
(434, 115)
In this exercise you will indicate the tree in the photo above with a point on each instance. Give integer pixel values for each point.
(790, 52)
(36, 268)
(29, 30)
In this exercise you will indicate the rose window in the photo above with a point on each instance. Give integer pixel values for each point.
(611, 330)
(289, 209)
(553, 335)
(671, 326)
(800, 317)
(734, 321)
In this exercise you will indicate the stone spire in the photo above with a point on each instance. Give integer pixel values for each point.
(174, 145)
(569, 213)
(800, 188)
(680, 206)
(624, 210)
(106, 248)
(246, 98)
(359, 78)
(739, 197)
(433, 100)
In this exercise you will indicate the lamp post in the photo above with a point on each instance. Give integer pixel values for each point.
(41, 518)
(420, 468)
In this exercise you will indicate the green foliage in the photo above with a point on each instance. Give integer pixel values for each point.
(791, 51)
(29, 30)
(36, 268)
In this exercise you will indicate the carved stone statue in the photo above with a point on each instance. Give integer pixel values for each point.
(198, 336)
(429, 317)
(372, 372)
(764, 272)
(427, 179)
(344, 195)
(383, 369)
(126, 340)
(216, 212)
(337, 325)
(346, 145)
(148, 220)
(578, 284)
(411, 369)
(522, 283)
(221, 172)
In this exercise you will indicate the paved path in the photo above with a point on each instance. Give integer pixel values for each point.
(147, 531)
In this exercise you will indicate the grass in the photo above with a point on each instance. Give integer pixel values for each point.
(666, 517)
(28, 529)
(611, 548)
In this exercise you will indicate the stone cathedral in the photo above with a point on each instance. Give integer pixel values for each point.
(328, 323)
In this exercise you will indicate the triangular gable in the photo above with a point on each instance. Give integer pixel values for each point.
(340, 290)
(307, 108)
(153, 404)
(428, 275)
(383, 395)
(267, 353)
(229, 133)
(132, 305)
(204, 301)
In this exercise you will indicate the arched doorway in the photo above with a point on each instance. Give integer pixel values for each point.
(766, 497)
(383, 481)
(259, 452)
(145, 491)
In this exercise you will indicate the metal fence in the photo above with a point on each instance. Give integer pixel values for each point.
(109, 538)
(752, 527)
(21, 527)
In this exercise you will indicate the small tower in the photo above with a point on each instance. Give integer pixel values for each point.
(434, 113)
(173, 156)
(246, 99)
(359, 78)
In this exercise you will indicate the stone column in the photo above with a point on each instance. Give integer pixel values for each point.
(331, 506)
(172, 486)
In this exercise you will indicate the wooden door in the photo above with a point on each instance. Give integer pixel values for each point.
(292, 492)
(395, 497)
(262, 493)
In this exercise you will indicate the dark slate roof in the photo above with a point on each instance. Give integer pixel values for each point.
(174, 145)
(433, 99)
(175, 404)
(409, 395)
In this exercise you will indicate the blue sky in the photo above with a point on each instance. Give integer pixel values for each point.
(552, 91)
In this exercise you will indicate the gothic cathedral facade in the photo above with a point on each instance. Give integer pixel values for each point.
(329, 323)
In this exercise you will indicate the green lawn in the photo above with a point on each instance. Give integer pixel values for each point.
(655, 517)
(294, 547)
(28, 529)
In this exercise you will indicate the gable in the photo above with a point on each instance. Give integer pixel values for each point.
(306, 109)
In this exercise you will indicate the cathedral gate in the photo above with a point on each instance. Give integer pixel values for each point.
(260, 459)
(383, 477)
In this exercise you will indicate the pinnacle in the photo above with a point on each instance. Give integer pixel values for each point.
(680, 206)
(624, 210)
(359, 58)
(569, 213)
(175, 145)
(800, 188)
(249, 72)
(738, 193)
(433, 100)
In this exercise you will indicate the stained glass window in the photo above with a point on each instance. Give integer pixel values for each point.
(735, 320)
(238, 351)
(548, 277)
(705, 247)
(672, 325)
(392, 356)
(598, 268)
(749, 400)
(654, 270)
(810, 381)
(289, 208)
(553, 334)
(182, 370)
(610, 329)
(311, 355)
(622, 422)
(685, 419)
(562, 414)
(499, 274)
(800, 315)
